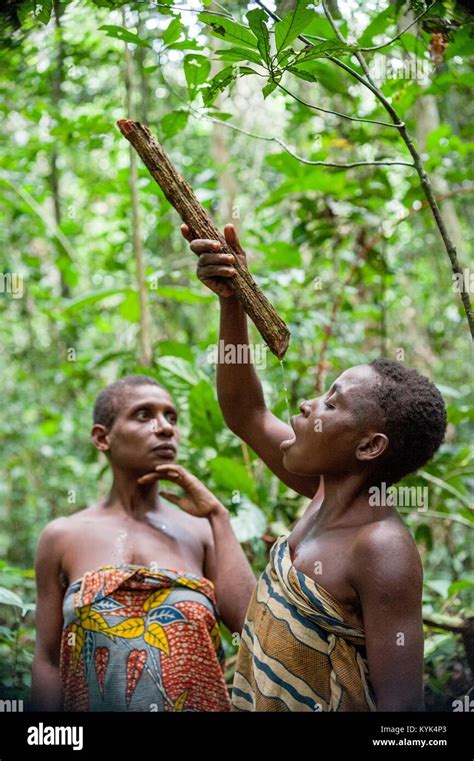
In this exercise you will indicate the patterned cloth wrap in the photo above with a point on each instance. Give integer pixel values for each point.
(136, 639)
(297, 652)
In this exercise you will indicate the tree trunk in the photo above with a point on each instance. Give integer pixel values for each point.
(145, 340)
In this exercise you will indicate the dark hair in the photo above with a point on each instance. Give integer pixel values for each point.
(107, 403)
(414, 417)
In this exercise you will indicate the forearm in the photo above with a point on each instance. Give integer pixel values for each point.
(46, 686)
(238, 385)
(235, 581)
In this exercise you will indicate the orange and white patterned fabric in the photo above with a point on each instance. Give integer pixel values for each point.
(136, 639)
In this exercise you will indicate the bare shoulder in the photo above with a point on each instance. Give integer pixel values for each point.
(56, 532)
(385, 553)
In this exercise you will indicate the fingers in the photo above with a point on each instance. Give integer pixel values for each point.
(147, 479)
(230, 235)
(205, 246)
(172, 498)
(216, 259)
(185, 232)
(204, 273)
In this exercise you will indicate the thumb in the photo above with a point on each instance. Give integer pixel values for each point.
(230, 235)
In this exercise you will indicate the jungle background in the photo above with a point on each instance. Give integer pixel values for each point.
(350, 257)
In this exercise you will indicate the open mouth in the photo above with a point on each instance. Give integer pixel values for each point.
(288, 442)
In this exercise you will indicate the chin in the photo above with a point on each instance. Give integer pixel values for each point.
(298, 464)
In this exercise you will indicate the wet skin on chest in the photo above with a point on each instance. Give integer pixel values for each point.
(166, 538)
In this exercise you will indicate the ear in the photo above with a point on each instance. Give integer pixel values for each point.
(371, 447)
(100, 437)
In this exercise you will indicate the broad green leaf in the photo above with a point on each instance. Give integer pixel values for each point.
(172, 31)
(219, 83)
(322, 50)
(302, 74)
(269, 87)
(377, 26)
(239, 54)
(292, 25)
(196, 71)
(119, 33)
(250, 522)
(257, 22)
(232, 475)
(174, 122)
(228, 30)
(180, 368)
(183, 295)
(206, 418)
(7, 597)
(92, 297)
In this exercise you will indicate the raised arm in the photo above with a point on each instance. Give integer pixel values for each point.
(388, 579)
(239, 390)
(46, 684)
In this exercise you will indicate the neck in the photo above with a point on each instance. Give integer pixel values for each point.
(345, 501)
(130, 498)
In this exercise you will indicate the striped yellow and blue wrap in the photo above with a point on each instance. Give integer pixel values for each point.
(297, 652)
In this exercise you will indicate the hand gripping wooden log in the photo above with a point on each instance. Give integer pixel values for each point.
(180, 195)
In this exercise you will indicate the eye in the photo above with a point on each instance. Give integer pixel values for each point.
(143, 414)
(172, 417)
(329, 406)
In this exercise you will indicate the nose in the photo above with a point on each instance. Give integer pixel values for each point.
(163, 427)
(305, 408)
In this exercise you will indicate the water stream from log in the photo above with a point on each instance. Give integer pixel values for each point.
(285, 388)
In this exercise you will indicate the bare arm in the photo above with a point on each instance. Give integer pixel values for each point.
(388, 579)
(227, 566)
(46, 684)
(239, 390)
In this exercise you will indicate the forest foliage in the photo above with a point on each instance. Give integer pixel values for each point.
(350, 256)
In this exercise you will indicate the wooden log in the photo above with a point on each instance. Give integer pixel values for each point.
(180, 195)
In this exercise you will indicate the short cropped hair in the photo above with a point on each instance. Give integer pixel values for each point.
(107, 404)
(414, 417)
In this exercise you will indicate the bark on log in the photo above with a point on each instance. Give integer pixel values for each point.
(180, 195)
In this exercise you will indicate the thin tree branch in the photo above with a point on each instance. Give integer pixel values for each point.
(336, 113)
(424, 178)
(397, 36)
(197, 114)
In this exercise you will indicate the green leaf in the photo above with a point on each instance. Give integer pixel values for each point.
(239, 54)
(232, 475)
(377, 26)
(257, 22)
(228, 30)
(180, 368)
(196, 71)
(172, 31)
(119, 33)
(40, 9)
(292, 25)
(280, 255)
(302, 74)
(222, 79)
(322, 50)
(206, 418)
(269, 87)
(183, 295)
(92, 297)
(174, 122)
(250, 522)
(7, 597)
